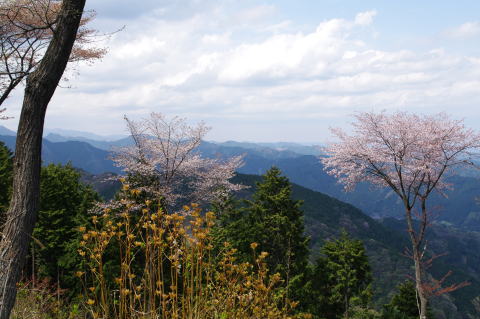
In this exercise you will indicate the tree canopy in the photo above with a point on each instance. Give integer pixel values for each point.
(64, 205)
(348, 275)
(40, 86)
(273, 221)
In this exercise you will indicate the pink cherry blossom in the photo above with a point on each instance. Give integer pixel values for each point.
(165, 156)
(409, 153)
(412, 154)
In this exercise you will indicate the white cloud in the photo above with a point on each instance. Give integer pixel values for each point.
(256, 13)
(217, 38)
(365, 18)
(466, 30)
(212, 65)
(287, 55)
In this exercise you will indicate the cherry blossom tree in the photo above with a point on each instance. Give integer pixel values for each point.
(164, 160)
(26, 29)
(411, 154)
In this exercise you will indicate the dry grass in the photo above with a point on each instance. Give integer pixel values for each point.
(165, 269)
(42, 300)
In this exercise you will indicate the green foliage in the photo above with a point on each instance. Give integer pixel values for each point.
(232, 227)
(6, 177)
(273, 220)
(340, 283)
(64, 203)
(403, 304)
(324, 218)
(341, 278)
(359, 312)
(279, 220)
(42, 300)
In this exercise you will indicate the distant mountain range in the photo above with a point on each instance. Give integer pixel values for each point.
(294, 148)
(82, 134)
(460, 208)
(82, 155)
(105, 145)
(7, 132)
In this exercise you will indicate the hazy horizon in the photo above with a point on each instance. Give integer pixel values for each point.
(108, 138)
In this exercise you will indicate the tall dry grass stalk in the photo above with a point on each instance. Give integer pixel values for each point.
(165, 268)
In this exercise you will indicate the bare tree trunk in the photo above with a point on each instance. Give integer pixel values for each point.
(419, 286)
(416, 254)
(21, 215)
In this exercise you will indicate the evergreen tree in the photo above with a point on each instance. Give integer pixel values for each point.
(6, 174)
(277, 225)
(64, 203)
(404, 304)
(310, 289)
(232, 226)
(273, 220)
(348, 277)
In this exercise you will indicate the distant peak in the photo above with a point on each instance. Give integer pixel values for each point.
(6, 131)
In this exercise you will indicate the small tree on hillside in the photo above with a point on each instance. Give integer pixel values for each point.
(348, 274)
(404, 304)
(273, 221)
(279, 227)
(412, 155)
(164, 161)
(338, 285)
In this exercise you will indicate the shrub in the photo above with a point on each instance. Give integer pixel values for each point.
(164, 268)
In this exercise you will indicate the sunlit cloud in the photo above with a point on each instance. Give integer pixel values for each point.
(466, 30)
(234, 65)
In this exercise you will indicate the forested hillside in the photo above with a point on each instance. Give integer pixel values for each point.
(386, 241)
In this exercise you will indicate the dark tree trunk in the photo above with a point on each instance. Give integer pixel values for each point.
(40, 87)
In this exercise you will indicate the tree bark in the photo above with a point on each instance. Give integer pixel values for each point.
(419, 286)
(21, 215)
(417, 259)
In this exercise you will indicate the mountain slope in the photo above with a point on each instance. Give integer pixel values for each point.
(7, 132)
(460, 208)
(80, 154)
(385, 242)
(101, 144)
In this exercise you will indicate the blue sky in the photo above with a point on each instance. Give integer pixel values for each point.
(273, 70)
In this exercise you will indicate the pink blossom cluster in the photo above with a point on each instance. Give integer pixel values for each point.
(410, 153)
(165, 160)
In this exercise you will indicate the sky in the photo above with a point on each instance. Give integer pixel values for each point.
(267, 71)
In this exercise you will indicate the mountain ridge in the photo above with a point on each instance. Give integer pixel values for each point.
(460, 209)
